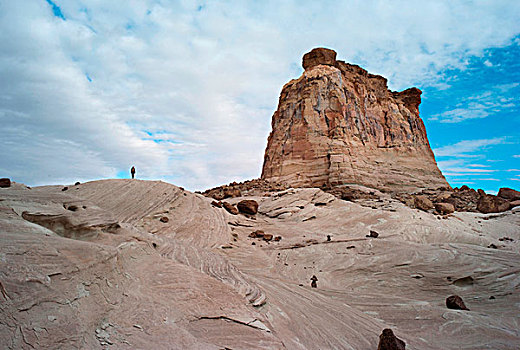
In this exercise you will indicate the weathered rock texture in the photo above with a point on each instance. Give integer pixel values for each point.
(338, 124)
(111, 272)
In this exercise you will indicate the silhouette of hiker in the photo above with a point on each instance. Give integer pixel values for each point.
(314, 279)
(132, 171)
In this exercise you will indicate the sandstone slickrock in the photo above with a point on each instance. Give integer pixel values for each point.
(248, 206)
(149, 284)
(338, 124)
(5, 182)
(455, 302)
(388, 341)
(509, 194)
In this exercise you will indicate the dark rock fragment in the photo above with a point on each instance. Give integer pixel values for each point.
(388, 341)
(248, 206)
(230, 208)
(5, 182)
(455, 302)
(492, 204)
(373, 234)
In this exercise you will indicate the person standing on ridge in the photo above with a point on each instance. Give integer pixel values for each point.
(132, 171)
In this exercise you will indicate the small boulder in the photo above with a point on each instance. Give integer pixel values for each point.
(248, 206)
(5, 182)
(77, 183)
(492, 204)
(231, 193)
(455, 302)
(72, 207)
(509, 194)
(257, 234)
(278, 238)
(268, 237)
(164, 219)
(373, 234)
(444, 208)
(230, 208)
(216, 204)
(422, 202)
(65, 188)
(388, 341)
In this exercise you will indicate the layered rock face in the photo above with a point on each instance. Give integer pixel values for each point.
(338, 124)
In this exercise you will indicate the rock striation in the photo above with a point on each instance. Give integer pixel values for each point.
(338, 124)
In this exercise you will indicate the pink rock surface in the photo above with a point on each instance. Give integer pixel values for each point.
(73, 280)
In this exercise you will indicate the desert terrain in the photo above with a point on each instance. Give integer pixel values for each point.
(132, 264)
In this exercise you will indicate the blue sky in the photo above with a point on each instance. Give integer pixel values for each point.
(185, 90)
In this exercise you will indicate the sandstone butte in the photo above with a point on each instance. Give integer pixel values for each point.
(337, 124)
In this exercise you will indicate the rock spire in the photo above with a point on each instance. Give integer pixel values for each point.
(337, 124)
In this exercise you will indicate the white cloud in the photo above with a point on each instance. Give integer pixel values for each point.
(516, 156)
(499, 99)
(467, 148)
(203, 83)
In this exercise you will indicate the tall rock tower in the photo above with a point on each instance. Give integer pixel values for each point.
(337, 124)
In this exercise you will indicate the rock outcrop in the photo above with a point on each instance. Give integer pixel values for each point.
(338, 124)
(509, 194)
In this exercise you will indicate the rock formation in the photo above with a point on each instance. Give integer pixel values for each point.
(338, 124)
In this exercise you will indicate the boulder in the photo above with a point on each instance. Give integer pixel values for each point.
(373, 234)
(257, 234)
(164, 219)
(455, 302)
(444, 208)
(230, 208)
(248, 206)
(509, 194)
(319, 56)
(492, 204)
(515, 203)
(388, 341)
(268, 237)
(422, 202)
(216, 204)
(5, 182)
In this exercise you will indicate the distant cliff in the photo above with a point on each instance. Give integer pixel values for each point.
(338, 124)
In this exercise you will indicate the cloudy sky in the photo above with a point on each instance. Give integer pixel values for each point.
(185, 90)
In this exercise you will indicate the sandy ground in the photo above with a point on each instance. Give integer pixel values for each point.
(94, 267)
